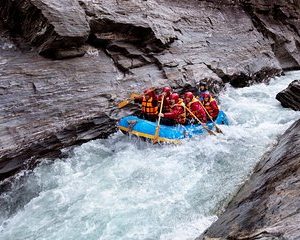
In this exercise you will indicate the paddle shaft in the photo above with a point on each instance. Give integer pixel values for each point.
(128, 100)
(203, 125)
(159, 117)
(210, 118)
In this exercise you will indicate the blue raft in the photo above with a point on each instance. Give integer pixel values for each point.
(171, 134)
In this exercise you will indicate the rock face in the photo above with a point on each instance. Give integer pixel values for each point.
(268, 205)
(290, 97)
(51, 26)
(125, 46)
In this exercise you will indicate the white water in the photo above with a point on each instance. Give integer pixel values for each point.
(125, 189)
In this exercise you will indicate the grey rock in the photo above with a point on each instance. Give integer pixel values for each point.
(290, 97)
(49, 25)
(268, 205)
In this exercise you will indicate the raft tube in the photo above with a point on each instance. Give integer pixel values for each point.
(171, 134)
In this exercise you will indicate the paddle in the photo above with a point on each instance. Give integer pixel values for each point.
(128, 100)
(203, 125)
(156, 135)
(216, 126)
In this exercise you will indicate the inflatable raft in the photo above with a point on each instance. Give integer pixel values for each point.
(171, 134)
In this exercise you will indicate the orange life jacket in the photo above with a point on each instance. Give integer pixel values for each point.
(148, 108)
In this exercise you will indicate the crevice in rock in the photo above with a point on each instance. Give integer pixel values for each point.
(36, 22)
(106, 30)
(284, 56)
(129, 46)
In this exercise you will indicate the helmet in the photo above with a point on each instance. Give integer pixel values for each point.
(167, 89)
(174, 96)
(206, 95)
(189, 95)
(148, 92)
(203, 84)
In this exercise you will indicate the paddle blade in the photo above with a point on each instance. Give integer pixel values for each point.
(123, 103)
(134, 95)
(128, 100)
(155, 140)
(211, 132)
(156, 135)
(218, 130)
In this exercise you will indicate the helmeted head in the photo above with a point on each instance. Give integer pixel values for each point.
(167, 91)
(149, 93)
(206, 97)
(202, 86)
(188, 96)
(174, 98)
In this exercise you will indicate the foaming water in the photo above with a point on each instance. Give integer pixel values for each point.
(122, 188)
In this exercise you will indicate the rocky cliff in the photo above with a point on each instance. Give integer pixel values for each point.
(64, 64)
(268, 205)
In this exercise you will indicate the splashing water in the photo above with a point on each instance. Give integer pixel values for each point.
(122, 188)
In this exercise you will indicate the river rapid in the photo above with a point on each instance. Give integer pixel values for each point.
(122, 188)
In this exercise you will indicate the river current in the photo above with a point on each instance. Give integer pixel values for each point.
(122, 188)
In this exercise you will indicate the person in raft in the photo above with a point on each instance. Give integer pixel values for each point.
(202, 90)
(210, 105)
(193, 104)
(149, 101)
(166, 92)
(177, 113)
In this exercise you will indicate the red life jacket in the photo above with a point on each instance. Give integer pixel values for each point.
(189, 106)
(181, 118)
(211, 107)
(195, 107)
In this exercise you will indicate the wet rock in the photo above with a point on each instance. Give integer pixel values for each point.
(290, 97)
(47, 25)
(280, 22)
(267, 205)
(48, 105)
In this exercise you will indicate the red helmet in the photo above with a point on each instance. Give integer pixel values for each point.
(167, 89)
(189, 95)
(206, 95)
(149, 92)
(174, 96)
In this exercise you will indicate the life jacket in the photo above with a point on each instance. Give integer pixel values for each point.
(208, 107)
(189, 107)
(181, 118)
(148, 108)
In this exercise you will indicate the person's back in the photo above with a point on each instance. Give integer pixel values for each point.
(193, 104)
(149, 103)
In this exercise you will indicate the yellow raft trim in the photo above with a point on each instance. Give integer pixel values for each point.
(149, 136)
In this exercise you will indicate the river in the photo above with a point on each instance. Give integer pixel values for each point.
(122, 188)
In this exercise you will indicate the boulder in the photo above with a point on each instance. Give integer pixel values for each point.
(290, 97)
